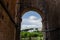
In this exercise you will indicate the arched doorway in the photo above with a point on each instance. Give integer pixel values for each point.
(31, 24)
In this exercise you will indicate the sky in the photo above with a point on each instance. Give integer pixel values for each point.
(31, 19)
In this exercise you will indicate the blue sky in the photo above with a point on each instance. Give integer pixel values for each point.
(31, 19)
(31, 13)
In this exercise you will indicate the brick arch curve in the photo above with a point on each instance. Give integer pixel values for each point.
(40, 12)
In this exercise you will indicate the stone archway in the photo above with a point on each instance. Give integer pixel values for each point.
(36, 5)
(40, 13)
(33, 9)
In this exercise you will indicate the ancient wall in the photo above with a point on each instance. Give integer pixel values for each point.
(53, 17)
(7, 28)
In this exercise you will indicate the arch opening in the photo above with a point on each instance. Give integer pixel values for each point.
(31, 26)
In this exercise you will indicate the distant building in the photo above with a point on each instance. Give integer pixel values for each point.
(31, 29)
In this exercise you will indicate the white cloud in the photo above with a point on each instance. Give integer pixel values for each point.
(32, 21)
(32, 17)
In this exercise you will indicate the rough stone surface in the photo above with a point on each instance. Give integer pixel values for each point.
(7, 28)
